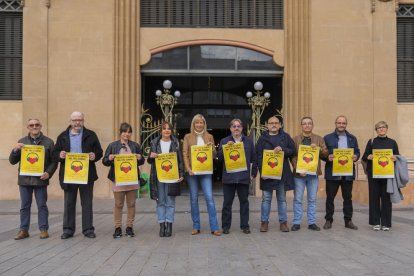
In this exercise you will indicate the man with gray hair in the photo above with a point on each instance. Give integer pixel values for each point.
(78, 139)
(30, 184)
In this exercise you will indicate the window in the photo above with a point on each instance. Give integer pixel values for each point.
(11, 44)
(252, 14)
(405, 54)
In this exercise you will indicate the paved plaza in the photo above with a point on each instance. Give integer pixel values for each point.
(338, 251)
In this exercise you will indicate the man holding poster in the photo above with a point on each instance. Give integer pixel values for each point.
(339, 139)
(30, 151)
(77, 139)
(277, 140)
(238, 180)
(310, 181)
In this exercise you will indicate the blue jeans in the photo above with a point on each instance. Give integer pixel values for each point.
(311, 184)
(26, 195)
(281, 204)
(206, 184)
(165, 204)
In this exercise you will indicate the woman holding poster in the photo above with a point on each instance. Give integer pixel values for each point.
(198, 154)
(164, 191)
(121, 190)
(380, 206)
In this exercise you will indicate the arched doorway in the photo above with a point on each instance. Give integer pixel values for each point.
(213, 80)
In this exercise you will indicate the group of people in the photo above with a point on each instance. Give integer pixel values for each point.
(78, 139)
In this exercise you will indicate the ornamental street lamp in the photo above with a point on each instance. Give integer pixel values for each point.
(258, 103)
(167, 101)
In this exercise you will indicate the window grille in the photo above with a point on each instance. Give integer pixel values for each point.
(405, 54)
(252, 14)
(11, 46)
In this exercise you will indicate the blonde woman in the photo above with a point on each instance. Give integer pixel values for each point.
(200, 136)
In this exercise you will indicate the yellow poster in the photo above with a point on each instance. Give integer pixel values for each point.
(167, 167)
(76, 168)
(382, 165)
(272, 166)
(308, 159)
(202, 160)
(343, 165)
(126, 172)
(32, 160)
(234, 157)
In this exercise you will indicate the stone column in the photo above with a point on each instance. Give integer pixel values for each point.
(35, 61)
(127, 98)
(297, 74)
(384, 44)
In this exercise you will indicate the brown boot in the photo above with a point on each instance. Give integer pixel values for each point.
(284, 227)
(264, 227)
(44, 234)
(22, 234)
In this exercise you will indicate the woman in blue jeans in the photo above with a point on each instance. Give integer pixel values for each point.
(200, 136)
(165, 193)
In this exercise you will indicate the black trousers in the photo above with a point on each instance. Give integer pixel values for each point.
(380, 206)
(332, 187)
(69, 212)
(229, 191)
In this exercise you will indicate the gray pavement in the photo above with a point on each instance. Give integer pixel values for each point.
(338, 251)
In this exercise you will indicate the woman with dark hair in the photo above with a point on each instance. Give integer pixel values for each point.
(380, 206)
(128, 192)
(165, 193)
(200, 136)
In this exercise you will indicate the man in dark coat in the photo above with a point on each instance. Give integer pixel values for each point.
(277, 140)
(30, 184)
(78, 139)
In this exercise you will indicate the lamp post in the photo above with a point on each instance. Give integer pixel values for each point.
(167, 101)
(258, 103)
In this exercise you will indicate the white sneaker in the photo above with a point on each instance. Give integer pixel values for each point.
(385, 228)
(376, 228)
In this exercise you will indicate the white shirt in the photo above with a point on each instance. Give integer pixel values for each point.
(165, 146)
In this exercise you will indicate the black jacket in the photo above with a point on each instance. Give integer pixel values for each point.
(284, 141)
(114, 148)
(90, 143)
(378, 143)
(331, 141)
(50, 166)
(242, 177)
(156, 147)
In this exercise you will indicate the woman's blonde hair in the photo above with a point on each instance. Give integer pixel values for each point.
(198, 117)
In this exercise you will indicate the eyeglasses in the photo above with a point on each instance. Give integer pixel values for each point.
(34, 125)
(381, 127)
(307, 124)
(236, 126)
(77, 120)
(273, 123)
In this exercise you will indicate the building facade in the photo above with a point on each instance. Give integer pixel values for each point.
(319, 58)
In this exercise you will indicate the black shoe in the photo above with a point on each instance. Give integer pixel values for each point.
(226, 231)
(327, 225)
(168, 229)
(349, 224)
(90, 235)
(129, 232)
(118, 233)
(314, 227)
(162, 229)
(66, 236)
(246, 230)
(295, 227)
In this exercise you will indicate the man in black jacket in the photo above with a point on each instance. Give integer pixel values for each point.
(31, 184)
(78, 139)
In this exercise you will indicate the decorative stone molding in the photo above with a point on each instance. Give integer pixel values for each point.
(373, 4)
